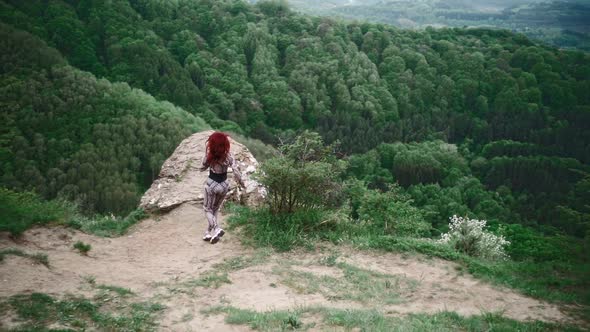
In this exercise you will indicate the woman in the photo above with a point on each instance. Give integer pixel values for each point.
(218, 159)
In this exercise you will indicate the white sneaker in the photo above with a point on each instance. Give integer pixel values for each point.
(217, 235)
(207, 237)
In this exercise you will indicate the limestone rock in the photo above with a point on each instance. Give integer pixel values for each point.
(180, 180)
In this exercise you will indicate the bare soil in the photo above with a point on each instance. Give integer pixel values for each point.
(160, 259)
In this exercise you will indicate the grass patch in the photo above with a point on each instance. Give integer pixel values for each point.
(115, 289)
(212, 279)
(357, 284)
(82, 247)
(38, 258)
(282, 232)
(107, 226)
(20, 211)
(274, 320)
(373, 320)
(242, 262)
(37, 312)
(218, 276)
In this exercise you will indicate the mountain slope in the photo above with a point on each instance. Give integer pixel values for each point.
(67, 134)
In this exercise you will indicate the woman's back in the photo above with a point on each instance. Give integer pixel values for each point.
(219, 167)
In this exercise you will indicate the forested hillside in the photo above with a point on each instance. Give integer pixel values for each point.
(66, 133)
(519, 112)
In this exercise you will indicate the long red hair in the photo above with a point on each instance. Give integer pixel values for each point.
(217, 148)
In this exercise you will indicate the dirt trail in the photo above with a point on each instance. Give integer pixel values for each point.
(161, 259)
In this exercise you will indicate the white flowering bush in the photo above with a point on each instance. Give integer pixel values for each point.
(469, 236)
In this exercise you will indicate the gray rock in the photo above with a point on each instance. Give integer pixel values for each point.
(180, 180)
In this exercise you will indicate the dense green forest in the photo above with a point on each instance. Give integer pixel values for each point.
(66, 133)
(562, 23)
(515, 114)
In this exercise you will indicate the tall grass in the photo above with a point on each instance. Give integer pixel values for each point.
(281, 231)
(20, 211)
(107, 226)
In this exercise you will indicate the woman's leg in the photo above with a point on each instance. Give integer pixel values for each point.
(214, 195)
(207, 202)
(220, 190)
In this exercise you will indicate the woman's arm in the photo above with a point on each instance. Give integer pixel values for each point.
(204, 164)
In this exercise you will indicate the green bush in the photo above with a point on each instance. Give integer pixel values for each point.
(303, 177)
(526, 243)
(82, 247)
(21, 210)
(469, 236)
(391, 212)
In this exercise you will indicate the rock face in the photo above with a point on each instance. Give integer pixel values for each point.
(181, 181)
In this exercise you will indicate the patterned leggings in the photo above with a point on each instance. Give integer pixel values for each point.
(214, 195)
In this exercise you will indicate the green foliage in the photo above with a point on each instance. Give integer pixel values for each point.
(259, 150)
(20, 211)
(81, 138)
(528, 244)
(282, 231)
(261, 70)
(303, 177)
(82, 247)
(471, 237)
(392, 213)
(269, 321)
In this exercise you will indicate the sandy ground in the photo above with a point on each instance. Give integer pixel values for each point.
(158, 259)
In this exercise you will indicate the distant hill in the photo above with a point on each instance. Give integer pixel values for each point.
(563, 23)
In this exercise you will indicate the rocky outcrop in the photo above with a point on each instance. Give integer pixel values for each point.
(180, 180)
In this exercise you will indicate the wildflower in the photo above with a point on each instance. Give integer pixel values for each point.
(469, 236)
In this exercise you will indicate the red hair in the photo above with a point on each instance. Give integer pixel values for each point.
(217, 148)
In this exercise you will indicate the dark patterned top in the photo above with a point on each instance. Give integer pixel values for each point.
(221, 168)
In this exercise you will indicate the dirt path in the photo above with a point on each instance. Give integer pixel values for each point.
(166, 261)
